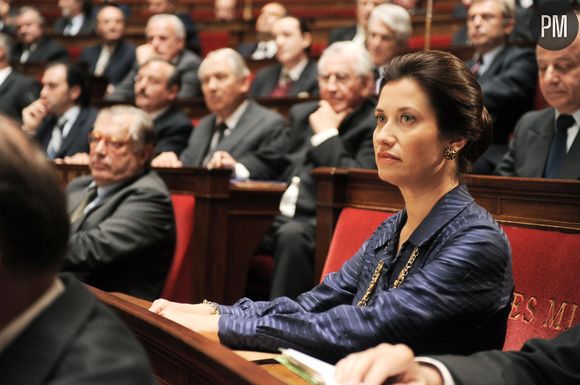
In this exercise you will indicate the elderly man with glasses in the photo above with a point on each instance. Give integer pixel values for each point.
(122, 225)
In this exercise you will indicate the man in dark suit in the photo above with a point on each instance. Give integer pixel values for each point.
(507, 74)
(237, 127)
(265, 46)
(168, 6)
(113, 57)
(166, 40)
(76, 18)
(335, 132)
(52, 329)
(32, 45)
(156, 89)
(294, 74)
(546, 143)
(357, 32)
(122, 225)
(61, 119)
(16, 90)
(540, 362)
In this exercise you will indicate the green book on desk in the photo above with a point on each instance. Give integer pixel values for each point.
(311, 369)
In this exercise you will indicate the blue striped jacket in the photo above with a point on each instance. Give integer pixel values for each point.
(455, 299)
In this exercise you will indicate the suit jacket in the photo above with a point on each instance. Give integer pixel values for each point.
(77, 138)
(530, 145)
(342, 34)
(75, 340)
(172, 129)
(126, 242)
(87, 28)
(540, 362)
(17, 92)
(435, 310)
(121, 62)
(46, 51)
(509, 86)
(353, 147)
(187, 65)
(246, 49)
(255, 141)
(267, 79)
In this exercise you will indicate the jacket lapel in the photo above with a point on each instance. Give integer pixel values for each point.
(245, 124)
(540, 145)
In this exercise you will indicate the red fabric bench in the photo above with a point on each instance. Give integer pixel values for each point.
(179, 283)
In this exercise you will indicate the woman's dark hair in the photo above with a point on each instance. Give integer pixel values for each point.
(455, 97)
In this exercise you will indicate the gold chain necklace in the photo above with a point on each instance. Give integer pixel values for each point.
(377, 273)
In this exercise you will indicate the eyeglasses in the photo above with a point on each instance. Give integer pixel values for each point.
(111, 142)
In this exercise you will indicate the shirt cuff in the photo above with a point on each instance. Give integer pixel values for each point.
(319, 138)
(241, 172)
(445, 374)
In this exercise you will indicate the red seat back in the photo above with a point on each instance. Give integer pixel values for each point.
(353, 227)
(437, 41)
(212, 40)
(546, 266)
(179, 283)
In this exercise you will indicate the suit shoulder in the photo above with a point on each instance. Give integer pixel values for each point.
(305, 108)
(256, 108)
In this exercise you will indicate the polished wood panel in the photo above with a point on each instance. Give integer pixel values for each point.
(182, 357)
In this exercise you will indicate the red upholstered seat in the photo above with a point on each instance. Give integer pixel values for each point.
(179, 284)
(546, 266)
(353, 227)
(437, 41)
(212, 40)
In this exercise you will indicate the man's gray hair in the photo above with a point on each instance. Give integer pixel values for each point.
(395, 18)
(173, 20)
(361, 61)
(6, 44)
(27, 8)
(236, 62)
(508, 8)
(141, 129)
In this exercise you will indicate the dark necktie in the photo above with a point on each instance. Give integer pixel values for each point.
(55, 140)
(283, 87)
(475, 67)
(78, 213)
(216, 138)
(558, 151)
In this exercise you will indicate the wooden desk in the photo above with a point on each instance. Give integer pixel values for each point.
(161, 337)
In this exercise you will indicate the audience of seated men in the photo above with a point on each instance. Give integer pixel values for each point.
(61, 119)
(335, 132)
(113, 57)
(295, 73)
(122, 225)
(52, 329)
(166, 40)
(76, 18)
(265, 46)
(237, 127)
(358, 31)
(520, 33)
(389, 29)
(16, 90)
(168, 6)
(546, 143)
(507, 74)
(539, 362)
(32, 45)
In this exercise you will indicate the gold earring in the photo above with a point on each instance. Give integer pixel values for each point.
(449, 153)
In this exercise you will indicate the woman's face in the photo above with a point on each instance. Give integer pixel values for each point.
(408, 147)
